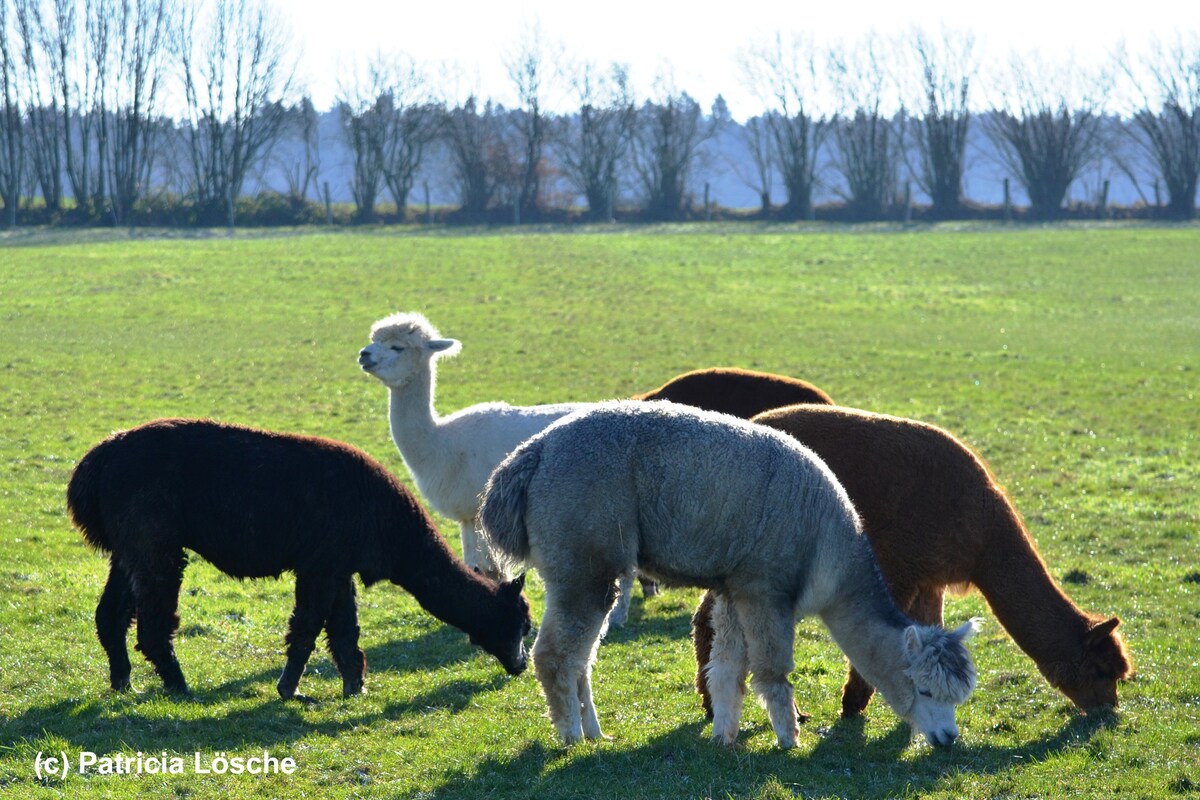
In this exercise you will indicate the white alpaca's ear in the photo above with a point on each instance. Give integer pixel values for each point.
(446, 347)
(912, 641)
(968, 628)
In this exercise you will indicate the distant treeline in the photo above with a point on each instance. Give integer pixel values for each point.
(167, 112)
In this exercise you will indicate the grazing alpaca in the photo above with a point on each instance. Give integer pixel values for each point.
(703, 499)
(257, 504)
(936, 517)
(739, 392)
(451, 457)
(729, 390)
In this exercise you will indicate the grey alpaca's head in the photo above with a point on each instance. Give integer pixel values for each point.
(943, 677)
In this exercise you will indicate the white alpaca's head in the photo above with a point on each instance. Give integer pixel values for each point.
(942, 675)
(402, 346)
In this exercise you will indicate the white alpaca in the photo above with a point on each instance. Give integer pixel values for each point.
(451, 457)
(703, 499)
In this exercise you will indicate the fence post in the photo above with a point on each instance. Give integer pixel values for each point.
(907, 202)
(1103, 210)
(328, 205)
(428, 207)
(707, 205)
(1007, 203)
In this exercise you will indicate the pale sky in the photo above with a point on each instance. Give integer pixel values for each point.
(698, 49)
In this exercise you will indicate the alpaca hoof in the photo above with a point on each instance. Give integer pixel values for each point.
(725, 739)
(287, 690)
(802, 717)
(177, 689)
(121, 684)
(351, 689)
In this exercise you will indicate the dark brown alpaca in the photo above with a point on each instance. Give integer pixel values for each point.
(256, 504)
(739, 392)
(936, 518)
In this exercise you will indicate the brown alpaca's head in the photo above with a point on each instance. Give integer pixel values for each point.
(1092, 683)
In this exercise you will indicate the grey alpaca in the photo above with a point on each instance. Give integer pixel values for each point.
(702, 499)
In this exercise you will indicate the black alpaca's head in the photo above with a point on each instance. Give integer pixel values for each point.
(504, 636)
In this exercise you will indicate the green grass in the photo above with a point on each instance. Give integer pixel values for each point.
(1067, 356)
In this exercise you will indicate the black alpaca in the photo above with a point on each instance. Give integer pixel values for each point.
(256, 504)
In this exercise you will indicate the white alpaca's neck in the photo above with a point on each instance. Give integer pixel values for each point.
(414, 422)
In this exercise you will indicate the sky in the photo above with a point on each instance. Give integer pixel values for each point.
(698, 50)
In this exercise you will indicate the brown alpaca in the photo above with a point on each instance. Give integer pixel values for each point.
(936, 518)
(740, 392)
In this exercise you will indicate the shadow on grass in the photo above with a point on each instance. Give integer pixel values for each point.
(683, 763)
(108, 722)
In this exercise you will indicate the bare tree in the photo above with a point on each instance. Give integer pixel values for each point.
(947, 66)
(410, 121)
(1166, 120)
(236, 75)
(1047, 127)
(300, 173)
(12, 133)
(784, 76)
(45, 117)
(130, 136)
(528, 68)
(390, 121)
(363, 128)
(593, 143)
(866, 134)
(668, 136)
(756, 135)
(478, 154)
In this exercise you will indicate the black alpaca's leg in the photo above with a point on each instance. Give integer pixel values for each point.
(314, 599)
(341, 631)
(114, 615)
(157, 593)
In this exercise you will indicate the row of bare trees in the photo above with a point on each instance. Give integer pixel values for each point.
(111, 105)
(85, 87)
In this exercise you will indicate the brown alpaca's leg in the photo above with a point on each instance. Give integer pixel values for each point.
(314, 599)
(856, 693)
(341, 631)
(158, 618)
(114, 615)
(702, 642)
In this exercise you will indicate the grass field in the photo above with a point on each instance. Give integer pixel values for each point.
(1067, 356)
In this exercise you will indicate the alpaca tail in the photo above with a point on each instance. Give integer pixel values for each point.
(502, 514)
(83, 497)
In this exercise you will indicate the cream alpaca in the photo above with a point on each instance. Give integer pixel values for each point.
(451, 457)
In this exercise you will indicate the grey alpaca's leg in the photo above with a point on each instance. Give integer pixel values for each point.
(314, 600)
(114, 615)
(726, 669)
(620, 612)
(157, 593)
(341, 630)
(770, 634)
(566, 645)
